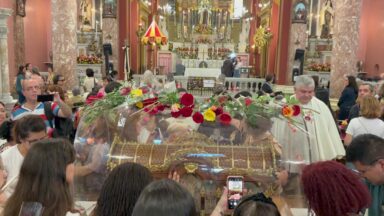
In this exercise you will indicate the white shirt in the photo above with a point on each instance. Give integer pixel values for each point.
(12, 161)
(362, 125)
(89, 83)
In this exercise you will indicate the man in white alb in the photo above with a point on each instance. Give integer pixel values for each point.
(315, 138)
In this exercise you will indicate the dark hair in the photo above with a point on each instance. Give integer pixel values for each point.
(269, 77)
(365, 148)
(256, 205)
(58, 89)
(27, 65)
(26, 125)
(112, 86)
(56, 78)
(352, 83)
(89, 72)
(121, 190)
(333, 189)
(21, 70)
(114, 73)
(316, 80)
(244, 94)
(165, 198)
(43, 178)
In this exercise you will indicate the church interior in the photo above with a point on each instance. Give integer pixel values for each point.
(189, 43)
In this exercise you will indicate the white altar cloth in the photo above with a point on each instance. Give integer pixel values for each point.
(202, 72)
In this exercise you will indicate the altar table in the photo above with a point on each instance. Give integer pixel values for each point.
(202, 72)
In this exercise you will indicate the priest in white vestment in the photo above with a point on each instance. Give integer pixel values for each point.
(317, 139)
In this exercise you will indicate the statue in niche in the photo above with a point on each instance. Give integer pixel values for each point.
(205, 12)
(86, 13)
(326, 20)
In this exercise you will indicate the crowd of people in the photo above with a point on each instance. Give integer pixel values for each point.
(39, 172)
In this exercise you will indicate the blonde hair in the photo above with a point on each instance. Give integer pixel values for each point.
(370, 107)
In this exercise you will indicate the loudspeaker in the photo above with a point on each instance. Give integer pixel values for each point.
(107, 48)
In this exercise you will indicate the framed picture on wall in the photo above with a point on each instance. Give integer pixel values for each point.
(300, 11)
(20, 8)
(109, 8)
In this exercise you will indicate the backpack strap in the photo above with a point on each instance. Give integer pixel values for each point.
(48, 113)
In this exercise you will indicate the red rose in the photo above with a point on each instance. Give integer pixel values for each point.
(198, 118)
(248, 101)
(225, 119)
(296, 110)
(154, 111)
(186, 99)
(175, 114)
(125, 91)
(186, 111)
(160, 107)
(219, 110)
(149, 101)
(144, 89)
(146, 109)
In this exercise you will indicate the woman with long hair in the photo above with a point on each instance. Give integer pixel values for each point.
(45, 177)
(121, 190)
(348, 97)
(19, 83)
(369, 121)
(333, 189)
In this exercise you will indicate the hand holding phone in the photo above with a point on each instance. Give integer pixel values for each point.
(44, 98)
(235, 185)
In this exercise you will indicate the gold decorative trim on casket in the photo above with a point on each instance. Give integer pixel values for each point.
(255, 160)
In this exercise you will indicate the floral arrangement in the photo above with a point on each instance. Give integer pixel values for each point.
(203, 40)
(220, 108)
(319, 67)
(185, 52)
(83, 59)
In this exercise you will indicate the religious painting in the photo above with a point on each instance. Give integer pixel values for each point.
(20, 8)
(86, 15)
(109, 8)
(300, 12)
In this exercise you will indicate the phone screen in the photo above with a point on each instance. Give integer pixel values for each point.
(43, 98)
(31, 209)
(235, 190)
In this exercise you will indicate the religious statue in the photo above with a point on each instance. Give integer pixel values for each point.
(204, 12)
(21, 8)
(85, 12)
(326, 20)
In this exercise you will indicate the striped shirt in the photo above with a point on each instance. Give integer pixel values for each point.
(21, 111)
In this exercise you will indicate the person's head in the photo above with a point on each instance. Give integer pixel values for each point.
(165, 198)
(45, 176)
(112, 86)
(365, 89)
(351, 82)
(121, 189)
(256, 205)
(31, 88)
(333, 189)
(58, 79)
(58, 89)
(35, 70)
(366, 152)
(370, 107)
(89, 72)
(28, 66)
(50, 69)
(28, 130)
(114, 74)
(3, 113)
(269, 78)
(76, 91)
(21, 70)
(304, 88)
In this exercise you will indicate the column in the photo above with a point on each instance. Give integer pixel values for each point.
(64, 40)
(5, 95)
(345, 42)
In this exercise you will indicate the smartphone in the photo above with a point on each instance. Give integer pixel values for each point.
(235, 185)
(44, 98)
